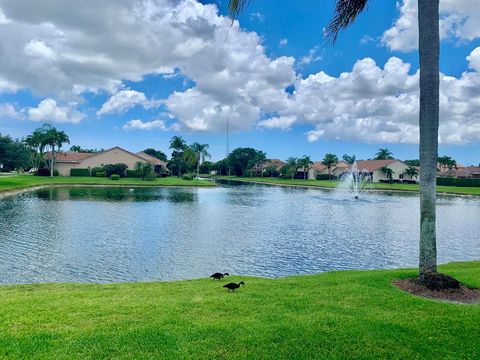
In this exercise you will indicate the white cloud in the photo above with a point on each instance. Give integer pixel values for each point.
(9, 111)
(137, 124)
(49, 110)
(257, 16)
(311, 57)
(283, 42)
(474, 59)
(125, 100)
(3, 19)
(278, 122)
(38, 48)
(459, 20)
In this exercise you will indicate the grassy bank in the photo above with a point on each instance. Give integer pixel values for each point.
(333, 184)
(28, 181)
(336, 315)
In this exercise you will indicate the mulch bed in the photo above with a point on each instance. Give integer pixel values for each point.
(463, 294)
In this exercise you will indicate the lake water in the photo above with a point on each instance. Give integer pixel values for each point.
(143, 234)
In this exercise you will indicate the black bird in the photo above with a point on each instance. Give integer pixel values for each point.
(233, 286)
(219, 276)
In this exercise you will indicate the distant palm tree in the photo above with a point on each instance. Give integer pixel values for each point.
(34, 143)
(330, 160)
(305, 163)
(292, 166)
(349, 159)
(177, 143)
(54, 139)
(346, 12)
(412, 172)
(201, 152)
(388, 172)
(383, 154)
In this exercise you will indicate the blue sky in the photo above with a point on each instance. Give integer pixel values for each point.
(108, 83)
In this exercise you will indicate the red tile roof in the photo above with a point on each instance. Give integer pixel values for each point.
(372, 165)
(70, 157)
(151, 159)
(463, 172)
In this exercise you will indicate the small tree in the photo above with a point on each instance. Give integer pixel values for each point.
(411, 172)
(200, 152)
(144, 169)
(306, 163)
(292, 166)
(349, 159)
(388, 172)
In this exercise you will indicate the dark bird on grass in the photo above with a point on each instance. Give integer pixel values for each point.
(219, 276)
(233, 286)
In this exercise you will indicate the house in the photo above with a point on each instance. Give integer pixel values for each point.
(319, 167)
(462, 172)
(373, 167)
(271, 163)
(70, 160)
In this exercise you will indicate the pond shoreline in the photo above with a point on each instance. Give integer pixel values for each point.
(271, 183)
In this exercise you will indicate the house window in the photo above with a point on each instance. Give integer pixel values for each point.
(400, 176)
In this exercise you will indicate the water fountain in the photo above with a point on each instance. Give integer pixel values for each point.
(355, 180)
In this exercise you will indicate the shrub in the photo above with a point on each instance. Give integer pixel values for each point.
(322, 177)
(150, 177)
(131, 174)
(187, 177)
(118, 168)
(95, 170)
(79, 172)
(450, 181)
(115, 177)
(46, 172)
(100, 174)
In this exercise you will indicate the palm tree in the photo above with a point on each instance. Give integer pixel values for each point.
(383, 154)
(349, 159)
(346, 11)
(178, 157)
(292, 166)
(329, 160)
(177, 143)
(54, 139)
(305, 162)
(412, 172)
(34, 143)
(201, 152)
(388, 172)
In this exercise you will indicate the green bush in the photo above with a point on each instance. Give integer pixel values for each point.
(79, 172)
(131, 174)
(451, 181)
(322, 177)
(118, 168)
(100, 174)
(95, 170)
(187, 177)
(150, 177)
(46, 172)
(115, 177)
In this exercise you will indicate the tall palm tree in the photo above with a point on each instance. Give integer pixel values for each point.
(292, 166)
(346, 11)
(383, 154)
(330, 160)
(34, 144)
(53, 139)
(177, 143)
(305, 163)
(201, 152)
(388, 172)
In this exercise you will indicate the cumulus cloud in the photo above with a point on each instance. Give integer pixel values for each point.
(283, 42)
(474, 59)
(10, 111)
(125, 100)
(49, 110)
(311, 57)
(279, 122)
(459, 19)
(137, 124)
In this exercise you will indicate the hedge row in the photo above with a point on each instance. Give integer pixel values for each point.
(451, 181)
(79, 172)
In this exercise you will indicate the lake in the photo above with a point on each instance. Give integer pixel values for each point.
(106, 235)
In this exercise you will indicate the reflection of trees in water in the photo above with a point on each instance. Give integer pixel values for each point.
(117, 194)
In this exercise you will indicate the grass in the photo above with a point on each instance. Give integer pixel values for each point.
(334, 183)
(28, 181)
(335, 315)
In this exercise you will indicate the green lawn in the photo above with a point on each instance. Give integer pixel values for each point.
(333, 184)
(26, 181)
(335, 315)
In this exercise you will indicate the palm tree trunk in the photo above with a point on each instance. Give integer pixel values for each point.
(429, 49)
(52, 162)
(198, 167)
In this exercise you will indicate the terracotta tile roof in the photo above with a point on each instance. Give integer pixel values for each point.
(70, 157)
(151, 159)
(372, 165)
(467, 171)
(319, 166)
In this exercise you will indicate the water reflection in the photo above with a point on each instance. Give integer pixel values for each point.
(119, 234)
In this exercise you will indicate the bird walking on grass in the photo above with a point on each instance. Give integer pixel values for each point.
(233, 286)
(219, 276)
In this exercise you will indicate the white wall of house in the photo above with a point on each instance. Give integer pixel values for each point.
(398, 168)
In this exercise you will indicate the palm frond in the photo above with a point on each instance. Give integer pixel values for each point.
(346, 11)
(235, 7)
